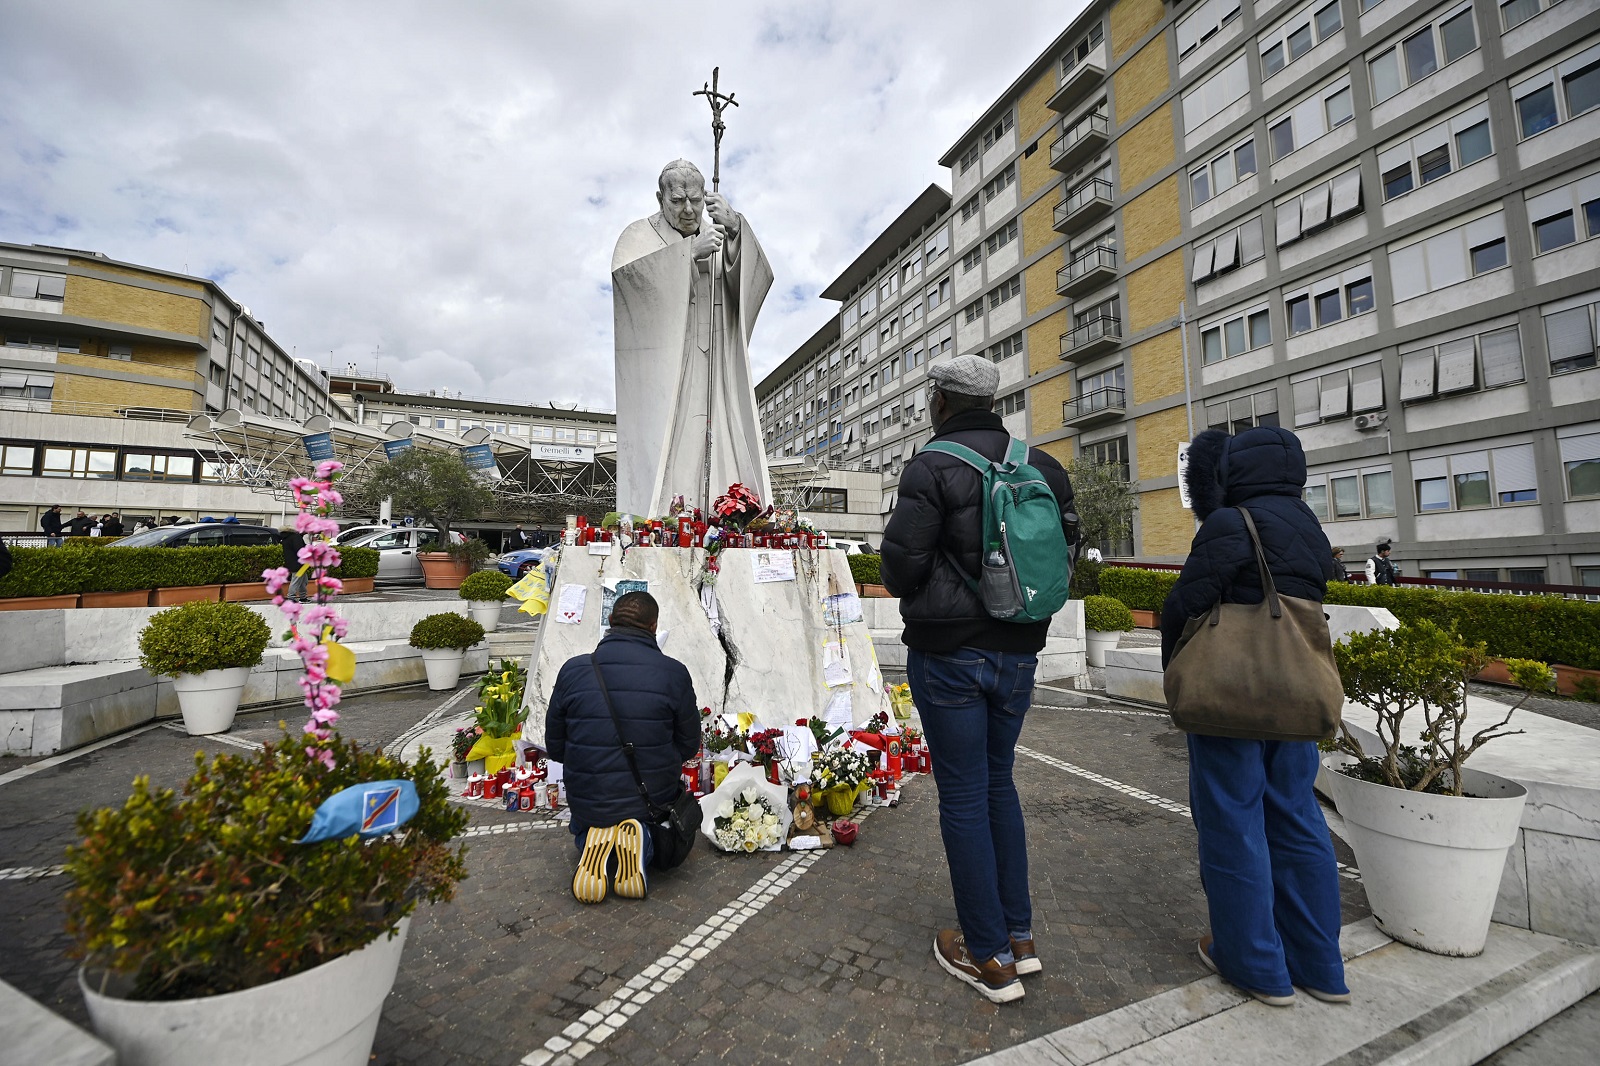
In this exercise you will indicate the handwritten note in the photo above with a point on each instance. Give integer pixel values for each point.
(839, 714)
(841, 609)
(569, 605)
(835, 664)
(772, 566)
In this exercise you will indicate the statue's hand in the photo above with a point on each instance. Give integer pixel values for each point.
(708, 244)
(723, 215)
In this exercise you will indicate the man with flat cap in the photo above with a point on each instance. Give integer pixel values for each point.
(971, 676)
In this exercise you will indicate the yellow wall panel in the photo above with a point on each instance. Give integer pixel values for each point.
(1154, 291)
(1044, 403)
(1146, 148)
(1151, 220)
(1037, 233)
(1159, 435)
(144, 275)
(1165, 528)
(1044, 342)
(111, 302)
(174, 364)
(1034, 114)
(1033, 171)
(74, 388)
(1063, 450)
(1141, 79)
(1157, 367)
(1039, 285)
(1131, 20)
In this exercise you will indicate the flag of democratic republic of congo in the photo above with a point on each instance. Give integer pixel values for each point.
(368, 810)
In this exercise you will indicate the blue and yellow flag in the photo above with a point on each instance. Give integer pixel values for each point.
(368, 810)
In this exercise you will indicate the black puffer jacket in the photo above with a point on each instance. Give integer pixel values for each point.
(1263, 470)
(654, 697)
(941, 509)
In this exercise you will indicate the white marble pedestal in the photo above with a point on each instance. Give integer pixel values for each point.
(764, 655)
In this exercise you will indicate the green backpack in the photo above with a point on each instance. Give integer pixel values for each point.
(1027, 569)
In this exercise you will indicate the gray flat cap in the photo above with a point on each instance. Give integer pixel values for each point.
(969, 375)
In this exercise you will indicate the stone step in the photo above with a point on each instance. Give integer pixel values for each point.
(1409, 1008)
(30, 1032)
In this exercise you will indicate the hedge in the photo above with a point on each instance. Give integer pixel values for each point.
(864, 568)
(63, 571)
(1544, 628)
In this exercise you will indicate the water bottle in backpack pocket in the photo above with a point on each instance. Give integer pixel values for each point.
(997, 585)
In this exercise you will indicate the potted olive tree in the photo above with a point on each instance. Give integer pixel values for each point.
(1106, 619)
(1430, 836)
(484, 592)
(444, 639)
(441, 489)
(207, 648)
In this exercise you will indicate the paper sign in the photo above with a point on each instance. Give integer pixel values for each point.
(1183, 479)
(772, 566)
(841, 609)
(569, 607)
(798, 742)
(835, 664)
(632, 585)
(839, 714)
(600, 547)
(608, 600)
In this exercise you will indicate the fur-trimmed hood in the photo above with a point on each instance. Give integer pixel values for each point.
(1226, 471)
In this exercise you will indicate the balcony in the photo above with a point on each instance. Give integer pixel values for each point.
(1089, 269)
(1092, 338)
(1085, 76)
(1085, 137)
(1092, 408)
(1089, 201)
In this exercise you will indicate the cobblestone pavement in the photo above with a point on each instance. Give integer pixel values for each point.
(754, 959)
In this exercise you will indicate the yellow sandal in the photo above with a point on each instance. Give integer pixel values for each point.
(589, 883)
(630, 879)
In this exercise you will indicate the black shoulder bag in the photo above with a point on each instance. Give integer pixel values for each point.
(673, 827)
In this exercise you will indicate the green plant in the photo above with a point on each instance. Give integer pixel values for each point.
(472, 551)
(445, 630)
(196, 637)
(1103, 614)
(1141, 590)
(1548, 629)
(611, 520)
(1422, 668)
(356, 562)
(1104, 500)
(864, 568)
(485, 585)
(436, 485)
(461, 742)
(1586, 689)
(1086, 578)
(44, 572)
(210, 892)
(501, 713)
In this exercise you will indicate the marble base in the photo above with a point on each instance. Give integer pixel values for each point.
(1135, 674)
(1063, 657)
(767, 657)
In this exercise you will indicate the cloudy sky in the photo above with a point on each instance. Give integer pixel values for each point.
(443, 183)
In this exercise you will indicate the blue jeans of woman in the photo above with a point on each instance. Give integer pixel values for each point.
(972, 704)
(1267, 864)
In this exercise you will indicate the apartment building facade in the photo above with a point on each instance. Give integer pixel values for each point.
(1374, 221)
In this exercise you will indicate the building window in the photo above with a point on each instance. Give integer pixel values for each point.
(970, 157)
(826, 501)
(1540, 106)
(1235, 335)
(1222, 172)
(1007, 290)
(1309, 119)
(1338, 394)
(1460, 365)
(1515, 12)
(938, 294)
(1079, 52)
(1001, 237)
(1580, 460)
(1420, 54)
(29, 286)
(999, 183)
(1208, 99)
(972, 260)
(1229, 250)
(1492, 477)
(1096, 392)
(1320, 206)
(1108, 452)
(1351, 495)
(1005, 349)
(79, 463)
(973, 311)
(1570, 337)
(148, 467)
(1445, 258)
(1243, 412)
(1437, 151)
(16, 460)
(1335, 298)
(1296, 36)
(936, 245)
(998, 130)
(1203, 23)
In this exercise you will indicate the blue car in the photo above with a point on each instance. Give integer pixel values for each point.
(516, 564)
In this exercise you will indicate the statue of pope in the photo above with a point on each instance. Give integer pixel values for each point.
(685, 294)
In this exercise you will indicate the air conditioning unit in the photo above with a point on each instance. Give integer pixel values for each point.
(1372, 420)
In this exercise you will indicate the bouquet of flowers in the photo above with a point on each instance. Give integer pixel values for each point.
(764, 745)
(713, 737)
(821, 731)
(877, 723)
(843, 768)
(737, 507)
(750, 825)
(462, 742)
(501, 713)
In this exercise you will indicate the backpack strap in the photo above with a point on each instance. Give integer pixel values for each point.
(960, 451)
(1016, 453)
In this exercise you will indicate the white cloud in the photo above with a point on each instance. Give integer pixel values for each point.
(446, 181)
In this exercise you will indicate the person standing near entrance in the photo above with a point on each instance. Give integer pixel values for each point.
(50, 523)
(1380, 571)
(971, 676)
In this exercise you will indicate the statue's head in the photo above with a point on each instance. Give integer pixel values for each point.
(681, 192)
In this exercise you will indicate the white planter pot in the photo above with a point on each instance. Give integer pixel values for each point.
(1098, 644)
(486, 613)
(443, 666)
(1431, 865)
(210, 700)
(327, 1016)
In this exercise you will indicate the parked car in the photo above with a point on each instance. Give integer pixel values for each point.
(516, 564)
(397, 550)
(198, 535)
(355, 533)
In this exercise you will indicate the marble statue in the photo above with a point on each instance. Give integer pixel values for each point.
(687, 284)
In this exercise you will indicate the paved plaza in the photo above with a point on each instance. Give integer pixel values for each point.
(751, 959)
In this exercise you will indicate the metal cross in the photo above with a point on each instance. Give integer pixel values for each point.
(718, 102)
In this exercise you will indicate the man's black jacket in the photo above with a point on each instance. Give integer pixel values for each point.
(941, 510)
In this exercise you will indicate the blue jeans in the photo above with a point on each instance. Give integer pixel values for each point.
(972, 703)
(1267, 864)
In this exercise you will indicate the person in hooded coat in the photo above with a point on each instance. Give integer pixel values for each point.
(1266, 860)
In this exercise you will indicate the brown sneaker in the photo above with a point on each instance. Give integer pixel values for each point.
(997, 983)
(1027, 958)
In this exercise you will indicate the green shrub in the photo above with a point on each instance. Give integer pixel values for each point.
(1141, 590)
(356, 562)
(864, 568)
(59, 571)
(1106, 615)
(485, 585)
(1086, 578)
(88, 542)
(196, 637)
(473, 551)
(1546, 629)
(44, 572)
(445, 631)
(210, 892)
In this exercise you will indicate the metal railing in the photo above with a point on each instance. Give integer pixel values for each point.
(1093, 123)
(1106, 398)
(93, 410)
(1096, 257)
(1105, 327)
(1093, 189)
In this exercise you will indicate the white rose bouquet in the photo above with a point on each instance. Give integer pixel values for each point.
(746, 812)
(842, 767)
(750, 825)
